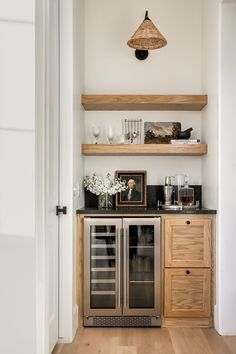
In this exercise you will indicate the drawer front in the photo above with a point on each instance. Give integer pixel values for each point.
(187, 292)
(188, 242)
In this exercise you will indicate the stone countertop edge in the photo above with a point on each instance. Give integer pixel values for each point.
(144, 211)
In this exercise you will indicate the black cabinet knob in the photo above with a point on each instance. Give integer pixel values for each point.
(188, 222)
(188, 272)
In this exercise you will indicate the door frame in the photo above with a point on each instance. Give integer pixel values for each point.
(40, 144)
(68, 313)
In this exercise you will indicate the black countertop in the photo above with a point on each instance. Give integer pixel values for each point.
(143, 211)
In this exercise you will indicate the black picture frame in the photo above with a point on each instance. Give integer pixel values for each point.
(138, 194)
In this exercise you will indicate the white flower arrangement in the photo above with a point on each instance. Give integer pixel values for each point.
(100, 186)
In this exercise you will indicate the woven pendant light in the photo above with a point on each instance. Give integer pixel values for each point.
(147, 37)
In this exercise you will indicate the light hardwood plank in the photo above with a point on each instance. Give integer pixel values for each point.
(148, 341)
(189, 341)
(231, 343)
(144, 340)
(161, 340)
(58, 349)
(216, 342)
(126, 350)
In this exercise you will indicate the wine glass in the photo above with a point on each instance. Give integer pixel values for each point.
(96, 133)
(110, 135)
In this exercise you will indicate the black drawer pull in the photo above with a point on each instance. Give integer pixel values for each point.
(188, 222)
(188, 272)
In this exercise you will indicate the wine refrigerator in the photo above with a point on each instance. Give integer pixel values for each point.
(122, 272)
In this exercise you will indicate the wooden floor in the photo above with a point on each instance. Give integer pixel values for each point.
(148, 341)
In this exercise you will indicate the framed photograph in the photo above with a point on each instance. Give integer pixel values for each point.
(160, 132)
(136, 192)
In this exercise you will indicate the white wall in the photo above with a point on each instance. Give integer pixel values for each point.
(110, 67)
(210, 119)
(157, 167)
(17, 189)
(227, 172)
(210, 81)
(219, 168)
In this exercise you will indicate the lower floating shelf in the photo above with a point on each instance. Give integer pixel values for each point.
(144, 149)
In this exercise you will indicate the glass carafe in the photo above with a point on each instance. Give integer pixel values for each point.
(179, 183)
(186, 195)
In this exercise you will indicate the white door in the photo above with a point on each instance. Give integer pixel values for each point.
(52, 174)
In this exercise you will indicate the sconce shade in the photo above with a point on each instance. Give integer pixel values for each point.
(147, 36)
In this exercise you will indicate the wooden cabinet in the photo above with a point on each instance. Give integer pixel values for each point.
(187, 268)
(188, 242)
(187, 292)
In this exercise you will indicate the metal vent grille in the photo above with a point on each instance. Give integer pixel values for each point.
(122, 321)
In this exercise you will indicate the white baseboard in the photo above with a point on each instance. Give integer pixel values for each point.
(75, 319)
(74, 327)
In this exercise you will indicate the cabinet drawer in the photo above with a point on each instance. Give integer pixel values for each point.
(188, 242)
(187, 292)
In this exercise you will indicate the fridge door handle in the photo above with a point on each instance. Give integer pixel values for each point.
(118, 270)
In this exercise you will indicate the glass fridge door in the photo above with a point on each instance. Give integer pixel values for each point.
(142, 266)
(102, 267)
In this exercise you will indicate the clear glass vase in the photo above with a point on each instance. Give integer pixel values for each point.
(105, 201)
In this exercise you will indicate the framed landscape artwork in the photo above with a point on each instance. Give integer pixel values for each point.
(160, 132)
(136, 192)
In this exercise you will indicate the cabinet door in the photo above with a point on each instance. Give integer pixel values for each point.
(102, 285)
(188, 242)
(187, 292)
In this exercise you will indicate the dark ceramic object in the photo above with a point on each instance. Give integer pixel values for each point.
(186, 134)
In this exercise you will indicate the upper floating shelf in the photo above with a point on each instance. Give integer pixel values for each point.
(144, 102)
(144, 149)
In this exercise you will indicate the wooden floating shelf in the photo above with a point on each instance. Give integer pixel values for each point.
(144, 149)
(144, 102)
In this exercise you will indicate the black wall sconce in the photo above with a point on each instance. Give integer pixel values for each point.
(147, 37)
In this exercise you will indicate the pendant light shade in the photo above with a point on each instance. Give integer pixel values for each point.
(147, 37)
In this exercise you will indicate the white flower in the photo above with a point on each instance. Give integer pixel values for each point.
(99, 186)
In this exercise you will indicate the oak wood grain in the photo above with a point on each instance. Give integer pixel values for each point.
(231, 343)
(167, 322)
(187, 292)
(215, 341)
(188, 242)
(189, 340)
(144, 149)
(206, 322)
(148, 341)
(144, 102)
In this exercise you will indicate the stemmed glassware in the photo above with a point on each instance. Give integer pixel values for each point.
(110, 135)
(96, 133)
